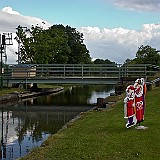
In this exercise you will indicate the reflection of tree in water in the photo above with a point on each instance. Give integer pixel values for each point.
(76, 95)
(43, 119)
(39, 122)
(79, 95)
(28, 124)
(38, 116)
(46, 115)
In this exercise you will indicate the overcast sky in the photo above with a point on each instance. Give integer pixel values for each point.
(113, 29)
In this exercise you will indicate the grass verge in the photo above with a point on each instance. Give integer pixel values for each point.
(101, 135)
(7, 90)
(10, 90)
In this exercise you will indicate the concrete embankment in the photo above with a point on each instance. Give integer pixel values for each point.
(15, 97)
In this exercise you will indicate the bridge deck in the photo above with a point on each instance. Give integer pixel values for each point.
(67, 80)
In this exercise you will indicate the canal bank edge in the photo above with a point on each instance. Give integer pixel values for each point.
(16, 96)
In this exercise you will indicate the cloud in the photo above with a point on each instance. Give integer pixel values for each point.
(119, 44)
(116, 44)
(140, 5)
(9, 10)
(9, 20)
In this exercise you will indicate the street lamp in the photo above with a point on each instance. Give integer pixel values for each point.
(20, 29)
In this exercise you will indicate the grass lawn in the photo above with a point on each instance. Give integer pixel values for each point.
(101, 135)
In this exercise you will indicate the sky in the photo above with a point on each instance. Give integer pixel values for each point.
(112, 29)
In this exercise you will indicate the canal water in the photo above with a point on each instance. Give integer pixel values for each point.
(29, 123)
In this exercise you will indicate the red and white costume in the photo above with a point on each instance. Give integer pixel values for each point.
(139, 100)
(129, 106)
(134, 103)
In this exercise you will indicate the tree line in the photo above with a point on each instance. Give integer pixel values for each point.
(65, 45)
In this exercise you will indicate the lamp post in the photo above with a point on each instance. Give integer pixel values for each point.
(20, 30)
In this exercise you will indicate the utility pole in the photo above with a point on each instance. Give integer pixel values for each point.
(1, 50)
(5, 39)
(2, 43)
(2, 144)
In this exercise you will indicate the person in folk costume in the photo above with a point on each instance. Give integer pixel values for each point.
(129, 107)
(139, 100)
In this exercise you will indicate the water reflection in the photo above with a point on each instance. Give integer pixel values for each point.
(100, 92)
(16, 138)
(76, 95)
(28, 123)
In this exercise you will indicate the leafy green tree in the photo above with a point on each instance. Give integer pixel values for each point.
(99, 61)
(130, 61)
(58, 44)
(102, 61)
(79, 52)
(147, 55)
(36, 45)
(62, 50)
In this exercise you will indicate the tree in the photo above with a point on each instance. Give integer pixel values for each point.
(79, 52)
(130, 61)
(62, 49)
(101, 61)
(147, 55)
(58, 44)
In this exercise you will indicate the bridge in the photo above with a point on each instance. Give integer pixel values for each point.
(74, 73)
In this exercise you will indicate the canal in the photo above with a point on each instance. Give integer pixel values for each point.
(27, 124)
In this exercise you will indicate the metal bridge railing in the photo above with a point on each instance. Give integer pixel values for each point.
(64, 71)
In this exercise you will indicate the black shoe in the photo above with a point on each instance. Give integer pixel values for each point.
(130, 124)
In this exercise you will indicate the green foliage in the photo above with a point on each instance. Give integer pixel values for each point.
(130, 61)
(58, 44)
(147, 55)
(5, 91)
(101, 61)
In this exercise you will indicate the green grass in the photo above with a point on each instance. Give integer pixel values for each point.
(102, 136)
(10, 90)
(42, 85)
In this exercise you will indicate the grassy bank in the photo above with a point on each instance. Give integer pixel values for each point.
(102, 135)
(10, 90)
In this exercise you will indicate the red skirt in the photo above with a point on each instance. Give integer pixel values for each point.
(139, 109)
